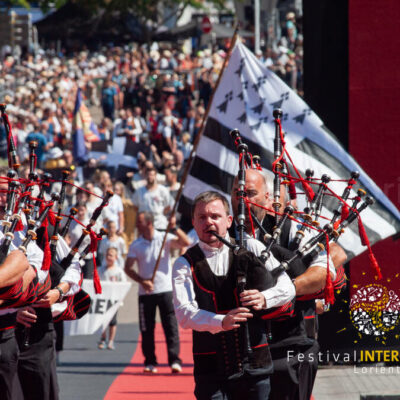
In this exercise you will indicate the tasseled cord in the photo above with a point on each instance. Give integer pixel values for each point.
(46, 263)
(308, 190)
(292, 190)
(20, 226)
(344, 215)
(328, 291)
(365, 242)
(93, 247)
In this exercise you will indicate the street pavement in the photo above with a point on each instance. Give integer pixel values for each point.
(86, 372)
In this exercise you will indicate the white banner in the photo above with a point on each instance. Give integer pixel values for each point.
(102, 308)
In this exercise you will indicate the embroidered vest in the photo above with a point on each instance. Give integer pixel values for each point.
(223, 354)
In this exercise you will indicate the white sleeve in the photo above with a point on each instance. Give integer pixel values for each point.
(118, 204)
(124, 247)
(187, 311)
(131, 251)
(72, 274)
(167, 132)
(122, 276)
(136, 198)
(34, 255)
(284, 290)
(321, 260)
(169, 200)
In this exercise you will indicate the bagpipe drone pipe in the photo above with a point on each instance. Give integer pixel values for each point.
(311, 239)
(43, 225)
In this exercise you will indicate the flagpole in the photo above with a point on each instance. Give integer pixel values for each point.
(195, 144)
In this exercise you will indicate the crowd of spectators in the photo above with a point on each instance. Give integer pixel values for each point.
(154, 95)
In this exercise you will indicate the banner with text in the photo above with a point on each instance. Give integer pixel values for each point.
(102, 308)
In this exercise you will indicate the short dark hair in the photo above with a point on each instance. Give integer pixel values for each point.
(208, 197)
(148, 216)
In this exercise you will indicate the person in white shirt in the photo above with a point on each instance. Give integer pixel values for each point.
(206, 300)
(115, 209)
(36, 331)
(154, 198)
(158, 292)
(112, 241)
(294, 335)
(111, 273)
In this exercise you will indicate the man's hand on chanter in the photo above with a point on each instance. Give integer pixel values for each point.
(234, 317)
(253, 298)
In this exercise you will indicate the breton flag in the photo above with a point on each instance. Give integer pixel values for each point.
(118, 156)
(84, 129)
(245, 99)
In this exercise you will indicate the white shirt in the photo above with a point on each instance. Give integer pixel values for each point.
(118, 244)
(72, 274)
(113, 274)
(187, 311)
(321, 259)
(146, 253)
(34, 256)
(154, 201)
(75, 232)
(112, 210)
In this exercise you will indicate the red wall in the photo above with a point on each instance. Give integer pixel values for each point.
(374, 114)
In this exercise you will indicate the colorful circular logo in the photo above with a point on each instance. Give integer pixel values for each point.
(374, 310)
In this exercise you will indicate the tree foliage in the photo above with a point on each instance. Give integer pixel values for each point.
(144, 10)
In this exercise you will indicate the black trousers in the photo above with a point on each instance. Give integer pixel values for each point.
(59, 330)
(147, 319)
(294, 376)
(8, 363)
(246, 388)
(37, 363)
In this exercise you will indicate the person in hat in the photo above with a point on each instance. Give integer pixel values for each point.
(55, 159)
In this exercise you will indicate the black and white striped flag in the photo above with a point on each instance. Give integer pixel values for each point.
(245, 98)
(118, 156)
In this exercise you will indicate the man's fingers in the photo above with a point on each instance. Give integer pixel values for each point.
(239, 310)
(25, 318)
(22, 322)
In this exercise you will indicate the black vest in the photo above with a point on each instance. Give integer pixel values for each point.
(223, 354)
(300, 328)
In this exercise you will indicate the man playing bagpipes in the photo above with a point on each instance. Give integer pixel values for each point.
(217, 288)
(290, 336)
(20, 277)
(37, 361)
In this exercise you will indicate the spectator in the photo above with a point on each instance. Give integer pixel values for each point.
(114, 210)
(111, 273)
(173, 185)
(55, 159)
(154, 198)
(129, 213)
(158, 292)
(38, 136)
(109, 99)
(185, 146)
(75, 233)
(115, 241)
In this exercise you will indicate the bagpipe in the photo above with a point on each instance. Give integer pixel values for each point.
(313, 237)
(25, 212)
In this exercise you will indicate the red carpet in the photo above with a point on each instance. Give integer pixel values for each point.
(134, 384)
